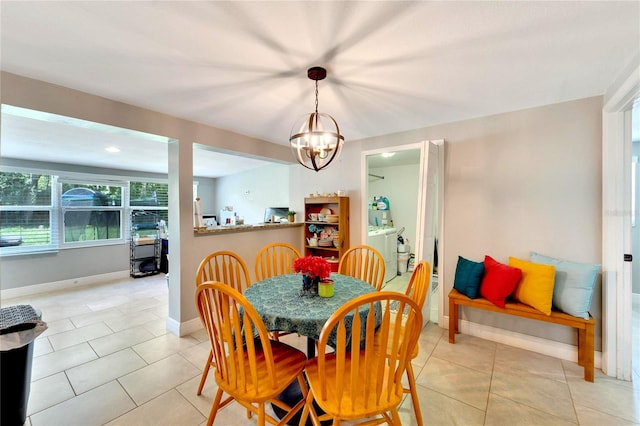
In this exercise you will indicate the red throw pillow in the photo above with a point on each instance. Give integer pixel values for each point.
(499, 281)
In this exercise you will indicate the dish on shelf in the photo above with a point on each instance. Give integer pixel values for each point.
(332, 218)
(325, 211)
(325, 242)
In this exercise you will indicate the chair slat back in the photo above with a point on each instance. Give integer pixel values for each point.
(363, 375)
(418, 287)
(365, 263)
(231, 323)
(275, 259)
(226, 267)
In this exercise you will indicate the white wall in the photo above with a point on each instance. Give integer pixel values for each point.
(207, 194)
(250, 193)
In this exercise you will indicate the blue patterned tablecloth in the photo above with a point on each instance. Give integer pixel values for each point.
(281, 307)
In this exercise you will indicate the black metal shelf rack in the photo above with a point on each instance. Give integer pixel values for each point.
(145, 246)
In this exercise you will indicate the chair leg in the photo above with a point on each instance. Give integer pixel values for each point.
(414, 394)
(214, 408)
(395, 416)
(305, 410)
(205, 372)
(261, 414)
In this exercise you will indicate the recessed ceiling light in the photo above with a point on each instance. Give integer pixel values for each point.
(112, 149)
(388, 154)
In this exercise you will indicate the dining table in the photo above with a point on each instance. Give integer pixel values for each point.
(283, 307)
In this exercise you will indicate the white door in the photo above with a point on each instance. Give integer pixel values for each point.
(430, 206)
(616, 223)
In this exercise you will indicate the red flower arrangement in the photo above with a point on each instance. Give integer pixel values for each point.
(313, 266)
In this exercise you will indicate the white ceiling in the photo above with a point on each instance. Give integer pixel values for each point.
(241, 66)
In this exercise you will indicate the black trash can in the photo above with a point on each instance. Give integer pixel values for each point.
(19, 326)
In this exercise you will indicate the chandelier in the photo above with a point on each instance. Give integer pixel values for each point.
(316, 140)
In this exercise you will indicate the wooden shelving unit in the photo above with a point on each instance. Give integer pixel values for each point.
(337, 205)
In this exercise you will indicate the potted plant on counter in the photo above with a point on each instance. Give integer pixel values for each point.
(291, 214)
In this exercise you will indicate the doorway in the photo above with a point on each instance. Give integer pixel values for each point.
(635, 241)
(616, 222)
(401, 206)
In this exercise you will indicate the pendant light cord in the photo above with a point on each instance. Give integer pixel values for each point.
(316, 96)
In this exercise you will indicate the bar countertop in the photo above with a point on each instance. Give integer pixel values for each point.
(245, 228)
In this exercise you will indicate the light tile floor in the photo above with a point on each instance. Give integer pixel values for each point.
(107, 359)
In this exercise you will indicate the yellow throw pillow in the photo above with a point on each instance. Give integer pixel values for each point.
(536, 286)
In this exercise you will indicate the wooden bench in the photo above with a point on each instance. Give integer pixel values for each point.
(586, 328)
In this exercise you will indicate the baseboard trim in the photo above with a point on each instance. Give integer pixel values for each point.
(524, 341)
(185, 328)
(30, 290)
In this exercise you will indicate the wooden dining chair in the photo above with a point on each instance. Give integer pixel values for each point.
(275, 259)
(418, 290)
(272, 260)
(226, 267)
(365, 263)
(358, 380)
(251, 368)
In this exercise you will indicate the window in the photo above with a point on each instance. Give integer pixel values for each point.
(150, 196)
(27, 212)
(92, 213)
(40, 212)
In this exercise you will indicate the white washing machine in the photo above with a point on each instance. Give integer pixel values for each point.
(385, 240)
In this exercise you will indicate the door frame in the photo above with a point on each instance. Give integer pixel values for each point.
(616, 221)
(423, 146)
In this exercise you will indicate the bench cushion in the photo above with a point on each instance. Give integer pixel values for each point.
(468, 277)
(536, 286)
(574, 283)
(499, 281)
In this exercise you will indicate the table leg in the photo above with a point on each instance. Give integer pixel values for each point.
(292, 394)
(311, 348)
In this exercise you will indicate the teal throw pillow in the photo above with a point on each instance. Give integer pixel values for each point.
(468, 277)
(574, 283)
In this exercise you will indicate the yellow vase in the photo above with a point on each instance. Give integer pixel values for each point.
(325, 288)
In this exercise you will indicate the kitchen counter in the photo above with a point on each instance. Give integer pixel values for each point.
(227, 229)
